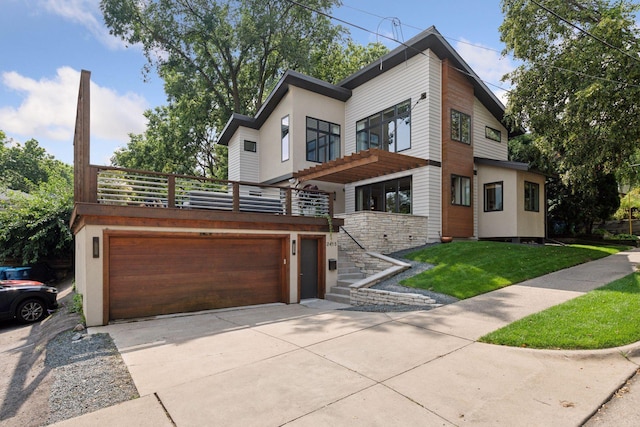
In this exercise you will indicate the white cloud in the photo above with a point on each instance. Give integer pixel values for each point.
(488, 63)
(48, 109)
(86, 13)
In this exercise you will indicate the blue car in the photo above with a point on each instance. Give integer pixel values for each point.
(27, 301)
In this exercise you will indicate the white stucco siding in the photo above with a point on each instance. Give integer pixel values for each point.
(502, 223)
(531, 224)
(406, 81)
(310, 104)
(89, 270)
(244, 165)
(483, 146)
(271, 164)
(89, 273)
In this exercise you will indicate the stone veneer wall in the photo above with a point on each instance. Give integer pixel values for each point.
(383, 232)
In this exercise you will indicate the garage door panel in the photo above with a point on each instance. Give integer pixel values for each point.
(159, 275)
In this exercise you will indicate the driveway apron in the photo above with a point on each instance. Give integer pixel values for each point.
(295, 365)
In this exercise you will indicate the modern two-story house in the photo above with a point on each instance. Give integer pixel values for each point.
(409, 149)
(414, 134)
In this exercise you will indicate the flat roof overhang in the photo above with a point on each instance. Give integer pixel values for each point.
(362, 165)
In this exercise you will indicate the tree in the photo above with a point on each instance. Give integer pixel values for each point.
(35, 226)
(578, 87)
(573, 208)
(337, 61)
(24, 167)
(216, 58)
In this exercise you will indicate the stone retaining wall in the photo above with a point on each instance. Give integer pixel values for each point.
(367, 296)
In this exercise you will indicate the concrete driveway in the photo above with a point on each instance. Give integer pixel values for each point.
(307, 366)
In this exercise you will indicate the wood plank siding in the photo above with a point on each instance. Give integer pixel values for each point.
(162, 273)
(457, 157)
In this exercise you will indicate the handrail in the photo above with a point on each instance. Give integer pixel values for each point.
(122, 186)
(352, 238)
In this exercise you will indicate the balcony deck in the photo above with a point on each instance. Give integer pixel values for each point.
(132, 197)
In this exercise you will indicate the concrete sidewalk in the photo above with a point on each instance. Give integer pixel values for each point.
(302, 366)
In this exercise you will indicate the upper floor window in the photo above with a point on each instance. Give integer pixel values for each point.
(251, 146)
(493, 197)
(460, 190)
(460, 127)
(491, 133)
(284, 130)
(323, 140)
(387, 196)
(531, 196)
(388, 130)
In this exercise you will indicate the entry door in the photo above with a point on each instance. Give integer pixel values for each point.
(308, 268)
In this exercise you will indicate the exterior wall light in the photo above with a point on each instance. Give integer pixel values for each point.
(96, 247)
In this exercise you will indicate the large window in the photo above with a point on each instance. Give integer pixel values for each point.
(388, 196)
(531, 196)
(284, 128)
(460, 127)
(388, 130)
(493, 197)
(460, 190)
(323, 140)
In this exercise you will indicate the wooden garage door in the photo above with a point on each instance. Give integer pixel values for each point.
(161, 274)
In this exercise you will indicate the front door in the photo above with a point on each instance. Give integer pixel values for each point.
(308, 268)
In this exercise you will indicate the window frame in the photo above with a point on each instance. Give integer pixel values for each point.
(461, 179)
(379, 191)
(531, 204)
(250, 146)
(285, 144)
(457, 116)
(331, 139)
(500, 206)
(380, 122)
(490, 133)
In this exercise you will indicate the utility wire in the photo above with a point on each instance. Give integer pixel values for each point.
(455, 68)
(566, 21)
(496, 50)
(383, 36)
(422, 29)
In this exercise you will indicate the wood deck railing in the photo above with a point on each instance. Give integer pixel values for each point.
(128, 187)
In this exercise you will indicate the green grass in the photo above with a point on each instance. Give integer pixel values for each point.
(603, 318)
(467, 269)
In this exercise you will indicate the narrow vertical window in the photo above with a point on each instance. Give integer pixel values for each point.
(493, 197)
(531, 196)
(284, 127)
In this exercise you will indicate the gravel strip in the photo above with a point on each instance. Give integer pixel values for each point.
(89, 374)
(392, 284)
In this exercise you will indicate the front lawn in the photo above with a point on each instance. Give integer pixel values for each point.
(467, 269)
(603, 318)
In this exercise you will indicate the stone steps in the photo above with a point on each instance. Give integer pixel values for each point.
(348, 274)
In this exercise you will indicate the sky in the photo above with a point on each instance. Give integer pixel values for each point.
(44, 45)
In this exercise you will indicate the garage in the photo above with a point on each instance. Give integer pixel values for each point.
(148, 274)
